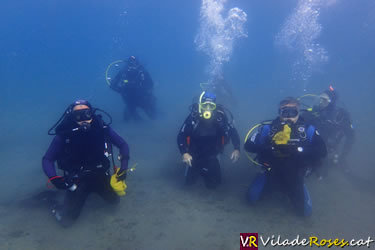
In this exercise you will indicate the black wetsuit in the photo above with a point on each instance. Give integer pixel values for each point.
(335, 127)
(80, 154)
(135, 85)
(204, 140)
(286, 164)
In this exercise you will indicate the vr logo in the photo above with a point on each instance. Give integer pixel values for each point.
(249, 241)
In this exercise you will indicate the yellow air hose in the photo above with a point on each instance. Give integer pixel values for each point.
(247, 136)
(106, 72)
(312, 95)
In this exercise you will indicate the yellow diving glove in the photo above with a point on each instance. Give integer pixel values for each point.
(119, 186)
(282, 137)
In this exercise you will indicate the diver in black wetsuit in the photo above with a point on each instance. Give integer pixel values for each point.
(79, 147)
(335, 126)
(286, 148)
(135, 85)
(202, 137)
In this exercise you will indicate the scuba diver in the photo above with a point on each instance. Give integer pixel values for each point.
(81, 147)
(135, 85)
(286, 147)
(335, 125)
(202, 137)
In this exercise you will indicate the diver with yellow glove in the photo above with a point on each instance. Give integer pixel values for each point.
(82, 148)
(286, 147)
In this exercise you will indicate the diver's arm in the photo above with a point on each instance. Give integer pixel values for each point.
(147, 82)
(251, 143)
(48, 161)
(257, 144)
(119, 142)
(115, 83)
(348, 133)
(319, 150)
(184, 134)
(349, 141)
(235, 138)
(229, 128)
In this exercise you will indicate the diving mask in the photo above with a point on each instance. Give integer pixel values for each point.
(206, 109)
(289, 112)
(81, 115)
(207, 104)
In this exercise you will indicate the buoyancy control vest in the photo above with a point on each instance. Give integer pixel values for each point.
(209, 136)
(301, 136)
(83, 150)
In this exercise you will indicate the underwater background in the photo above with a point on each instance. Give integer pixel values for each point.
(54, 52)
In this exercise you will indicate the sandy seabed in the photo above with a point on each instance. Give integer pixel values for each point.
(159, 212)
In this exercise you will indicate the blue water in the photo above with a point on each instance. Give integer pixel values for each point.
(53, 52)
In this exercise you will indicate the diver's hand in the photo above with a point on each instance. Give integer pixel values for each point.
(121, 175)
(59, 182)
(235, 155)
(187, 158)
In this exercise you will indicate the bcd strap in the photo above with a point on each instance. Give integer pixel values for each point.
(264, 133)
(188, 140)
(310, 132)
